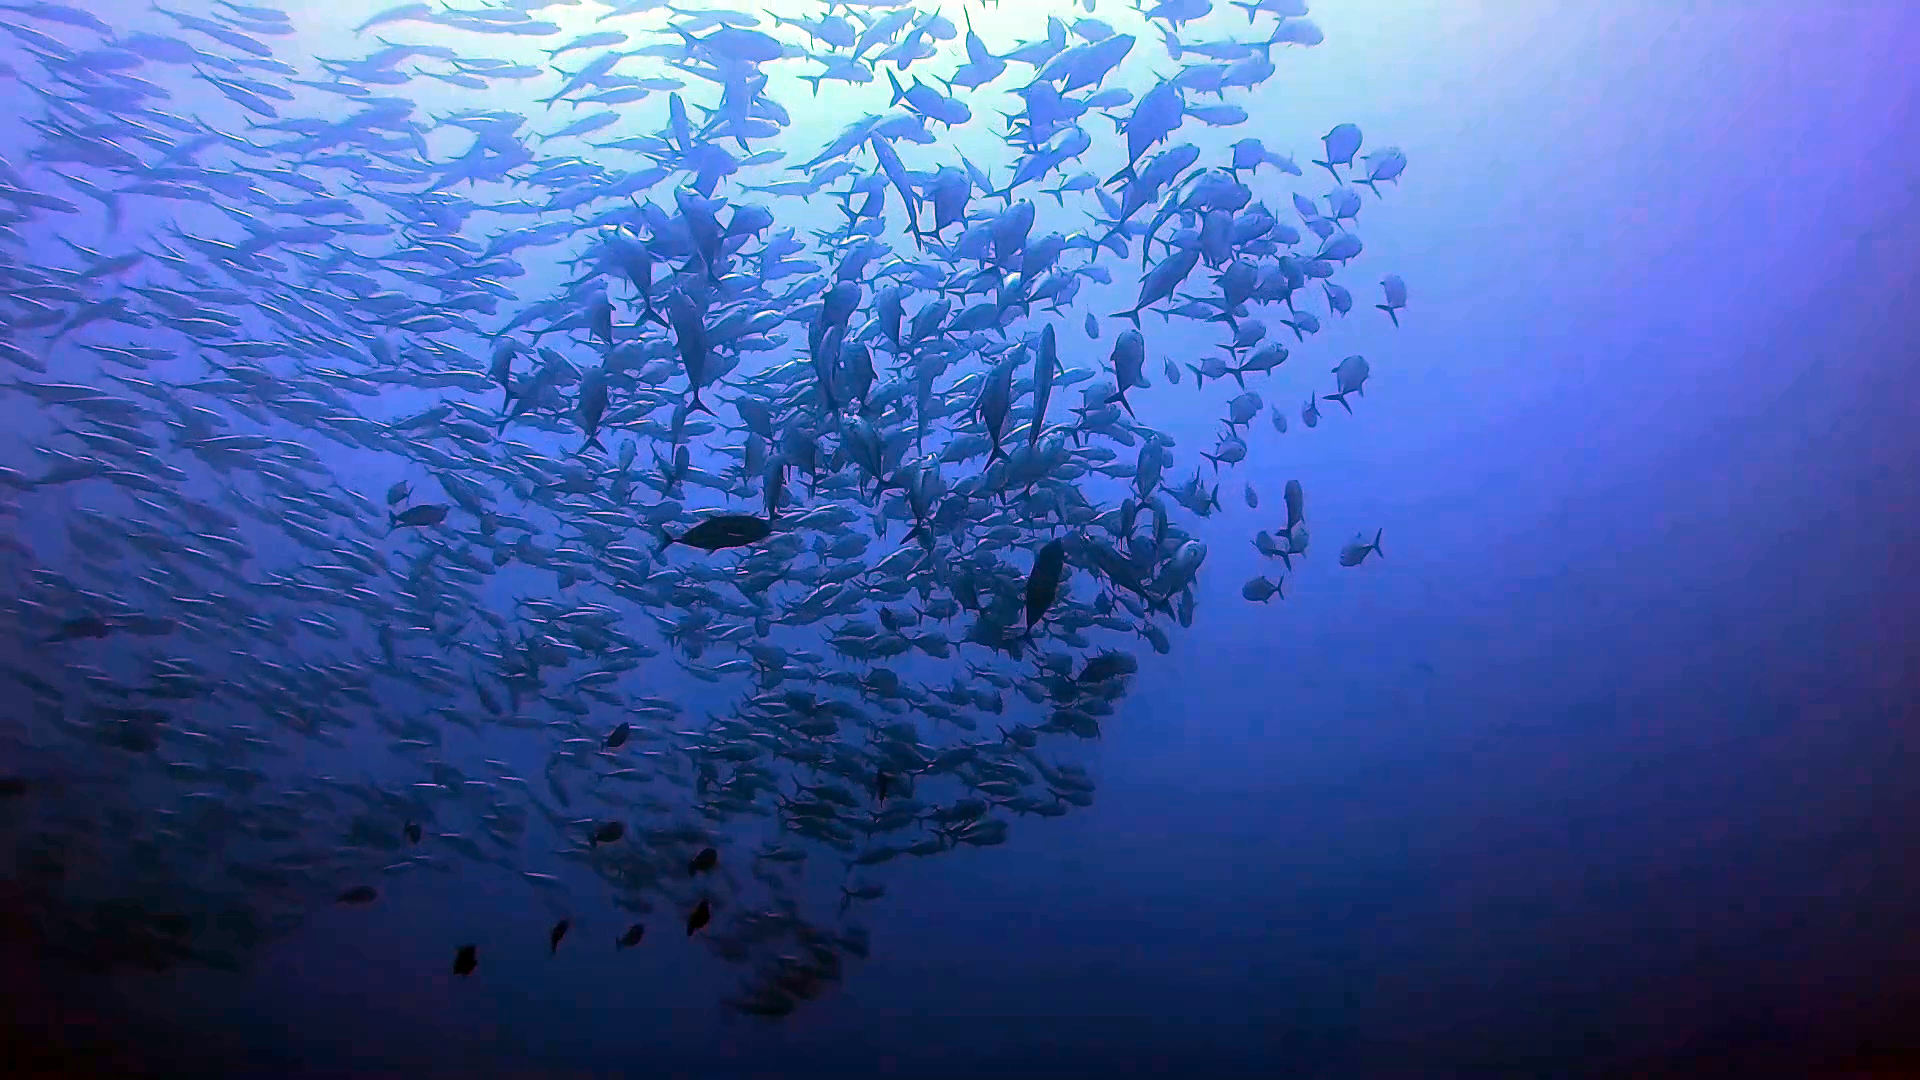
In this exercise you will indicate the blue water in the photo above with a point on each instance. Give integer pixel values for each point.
(1604, 769)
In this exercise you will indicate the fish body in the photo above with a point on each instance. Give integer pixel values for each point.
(722, 531)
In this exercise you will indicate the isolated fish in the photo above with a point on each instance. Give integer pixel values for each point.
(1260, 590)
(1356, 550)
(1396, 293)
(1351, 377)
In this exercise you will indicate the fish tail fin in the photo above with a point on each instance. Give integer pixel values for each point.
(1126, 173)
(1376, 544)
(1239, 376)
(696, 405)
(1131, 316)
(899, 92)
(1341, 398)
(1370, 185)
(1121, 397)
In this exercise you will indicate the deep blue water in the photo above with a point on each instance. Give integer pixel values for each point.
(1604, 769)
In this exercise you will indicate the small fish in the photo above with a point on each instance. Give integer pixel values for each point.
(1129, 358)
(1396, 291)
(403, 13)
(704, 861)
(1043, 584)
(467, 959)
(618, 736)
(702, 914)
(1352, 379)
(609, 833)
(359, 894)
(848, 894)
(412, 829)
(1342, 142)
(554, 935)
(1357, 550)
(426, 514)
(1387, 164)
(86, 626)
(631, 938)
(721, 531)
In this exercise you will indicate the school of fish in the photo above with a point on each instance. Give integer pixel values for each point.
(769, 522)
